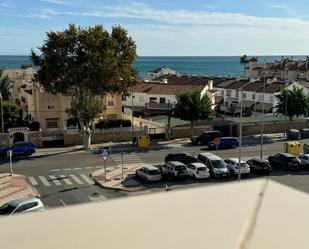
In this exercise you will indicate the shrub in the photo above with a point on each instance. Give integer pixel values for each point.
(112, 123)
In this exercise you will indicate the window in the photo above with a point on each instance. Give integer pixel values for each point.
(253, 95)
(260, 97)
(50, 107)
(152, 100)
(222, 92)
(141, 98)
(52, 123)
(271, 99)
(162, 100)
(237, 93)
(244, 95)
(111, 103)
(228, 93)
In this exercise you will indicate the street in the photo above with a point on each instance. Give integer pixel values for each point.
(63, 179)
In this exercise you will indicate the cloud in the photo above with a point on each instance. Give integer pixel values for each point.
(180, 16)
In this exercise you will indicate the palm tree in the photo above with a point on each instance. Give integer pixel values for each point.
(244, 60)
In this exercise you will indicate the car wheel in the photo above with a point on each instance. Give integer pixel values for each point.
(28, 153)
(199, 142)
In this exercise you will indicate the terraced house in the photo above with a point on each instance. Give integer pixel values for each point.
(51, 110)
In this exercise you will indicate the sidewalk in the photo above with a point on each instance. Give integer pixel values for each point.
(14, 187)
(114, 180)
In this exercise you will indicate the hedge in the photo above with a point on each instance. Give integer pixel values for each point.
(112, 123)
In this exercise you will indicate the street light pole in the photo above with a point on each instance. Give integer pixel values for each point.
(1, 116)
(262, 124)
(132, 122)
(240, 135)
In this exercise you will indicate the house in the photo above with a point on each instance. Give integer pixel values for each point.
(159, 95)
(160, 72)
(48, 109)
(229, 98)
(286, 69)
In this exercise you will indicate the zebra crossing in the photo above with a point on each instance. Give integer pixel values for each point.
(60, 180)
(128, 160)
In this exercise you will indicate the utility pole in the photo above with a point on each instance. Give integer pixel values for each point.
(132, 122)
(262, 123)
(1, 116)
(240, 135)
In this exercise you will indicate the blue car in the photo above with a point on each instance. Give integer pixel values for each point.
(19, 149)
(225, 143)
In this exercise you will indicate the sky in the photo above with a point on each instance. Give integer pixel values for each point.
(166, 27)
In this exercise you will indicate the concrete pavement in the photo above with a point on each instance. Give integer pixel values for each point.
(14, 187)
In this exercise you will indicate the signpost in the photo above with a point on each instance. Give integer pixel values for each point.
(10, 154)
(104, 155)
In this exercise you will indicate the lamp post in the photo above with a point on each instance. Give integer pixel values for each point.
(262, 123)
(132, 122)
(1, 116)
(240, 135)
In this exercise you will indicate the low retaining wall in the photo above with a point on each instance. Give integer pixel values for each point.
(185, 131)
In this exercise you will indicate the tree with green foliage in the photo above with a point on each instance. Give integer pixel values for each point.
(87, 63)
(191, 106)
(244, 60)
(12, 115)
(291, 102)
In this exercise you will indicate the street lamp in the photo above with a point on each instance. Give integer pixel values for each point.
(240, 135)
(262, 123)
(1, 116)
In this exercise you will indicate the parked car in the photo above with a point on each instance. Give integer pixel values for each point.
(259, 166)
(206, 137)
(198, 171)
(216, 165)
(22, 205)
(304, 160)
(285, 160)
(184, 158)
(233, 166)
(174, 170)
(293, 134)
(19, 148)
(225, 143)
(304, 133)
(149, 173)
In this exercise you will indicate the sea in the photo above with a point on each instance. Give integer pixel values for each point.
(186, 65)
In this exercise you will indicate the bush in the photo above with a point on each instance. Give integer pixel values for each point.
(112, 123)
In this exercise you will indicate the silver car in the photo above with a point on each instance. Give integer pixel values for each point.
(149, 173)
(22, 205)
(233, 165)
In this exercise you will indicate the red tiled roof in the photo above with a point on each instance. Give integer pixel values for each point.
(166, 89)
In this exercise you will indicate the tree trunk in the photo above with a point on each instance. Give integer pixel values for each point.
(87, 140)
(290, 122)
(169, 126)
(192, 128)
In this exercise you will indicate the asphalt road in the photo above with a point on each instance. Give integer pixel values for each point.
(64, 178)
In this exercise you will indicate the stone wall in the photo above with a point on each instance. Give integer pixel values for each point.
(272, 127)
(185, 131)
(4, 139)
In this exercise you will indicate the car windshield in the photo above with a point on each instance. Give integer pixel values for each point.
(154, 172)
(180, 167)
(7, 209)
(201, 169)
(218, 163)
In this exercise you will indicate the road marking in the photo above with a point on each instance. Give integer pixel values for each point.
(88, 180)
(88, 168)
(75, 178)
(33, 181)
(66, 169)
(66, 180)
(77, 168)
(44, 181)
(62, 202)
(55, 170)
(57, 182)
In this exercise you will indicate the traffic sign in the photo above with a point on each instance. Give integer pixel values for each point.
(104, 154)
